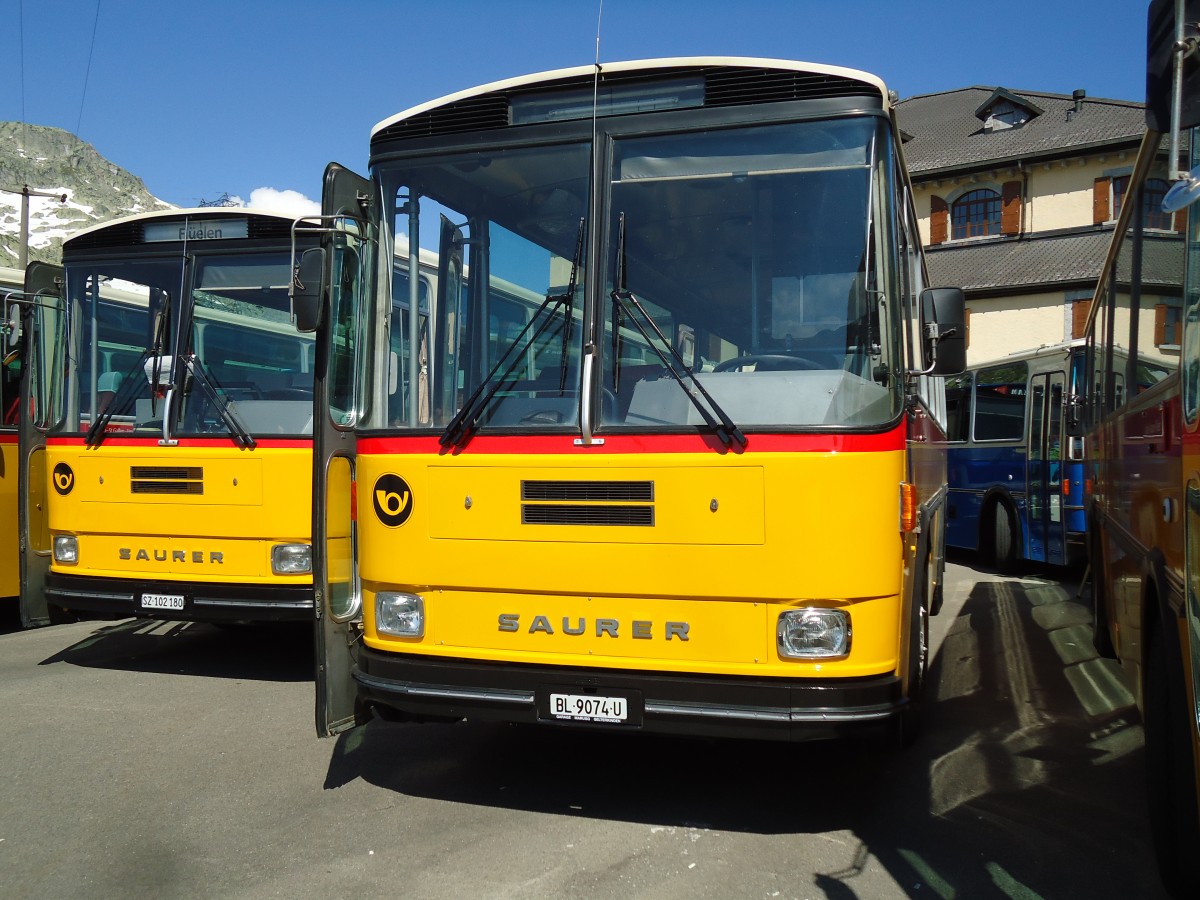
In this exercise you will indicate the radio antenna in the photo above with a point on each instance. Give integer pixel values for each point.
(599, 16)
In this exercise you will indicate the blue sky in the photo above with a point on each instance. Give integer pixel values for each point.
(204, 97)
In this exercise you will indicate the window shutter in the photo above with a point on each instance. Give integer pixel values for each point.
(939, 220)
(1010, 209)
(1079, 317)
(1180, 223)
(1101, 195)
(1160, 324)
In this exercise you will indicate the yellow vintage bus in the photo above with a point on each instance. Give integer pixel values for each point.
(1141, 413)
(171, 404)
(12, 282)
(661, 448)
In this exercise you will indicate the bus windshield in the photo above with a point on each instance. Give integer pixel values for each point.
(218, 327)
(744, 280)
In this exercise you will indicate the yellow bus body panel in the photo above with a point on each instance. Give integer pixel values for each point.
(131, 524)
(10, 562)
(736, 539)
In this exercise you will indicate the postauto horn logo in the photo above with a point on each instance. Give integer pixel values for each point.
(64, 478)
(393, 500)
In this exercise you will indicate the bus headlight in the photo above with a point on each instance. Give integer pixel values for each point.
(814, 633)
(291, 559)
(400, 614)
(66, 549)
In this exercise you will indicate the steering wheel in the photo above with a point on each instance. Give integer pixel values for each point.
(767, 362)
(542, 417)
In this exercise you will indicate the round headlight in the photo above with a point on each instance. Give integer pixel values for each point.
(814, 633)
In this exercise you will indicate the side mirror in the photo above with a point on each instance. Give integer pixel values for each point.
(12, 324)
(306, 291)
(944, 331)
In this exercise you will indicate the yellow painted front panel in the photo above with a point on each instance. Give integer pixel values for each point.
(683, 504)
(828, 527)
(726, 636)
(786, 529)
(10, 567)
(251, 500)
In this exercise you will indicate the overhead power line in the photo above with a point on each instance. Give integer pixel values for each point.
(88, 71)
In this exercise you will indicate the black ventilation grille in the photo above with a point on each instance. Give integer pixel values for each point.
(734, 87)
(166, 479)
(587, 503)
(561, 514)
(130, 233)
(723, 86)
(589, 491)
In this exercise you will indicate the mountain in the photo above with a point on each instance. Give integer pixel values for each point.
(56, 161)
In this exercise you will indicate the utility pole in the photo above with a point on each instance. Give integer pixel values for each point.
(26, 192)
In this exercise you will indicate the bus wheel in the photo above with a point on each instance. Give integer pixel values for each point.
(1003, 548)
(60, 616)
(1170, 773)
(1101, 639)
(910, 721)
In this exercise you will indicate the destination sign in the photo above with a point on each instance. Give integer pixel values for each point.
(202, 230)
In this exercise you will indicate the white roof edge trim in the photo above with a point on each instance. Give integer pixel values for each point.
(181, 213)
(664, 63)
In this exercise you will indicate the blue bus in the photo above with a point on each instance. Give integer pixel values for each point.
(1015, 479)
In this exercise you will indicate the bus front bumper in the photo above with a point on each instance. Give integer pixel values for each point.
(180, 601)
(406, 687)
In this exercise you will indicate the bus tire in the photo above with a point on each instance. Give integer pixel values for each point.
(1170, 774)
(60, 615)
(911, 719)
(1003, 547)
(1101, 637)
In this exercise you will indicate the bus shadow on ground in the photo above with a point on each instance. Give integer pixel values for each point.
(1027, 781)
(280, 652)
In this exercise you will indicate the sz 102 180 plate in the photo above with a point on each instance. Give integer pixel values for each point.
(162, 601)
(589, 708)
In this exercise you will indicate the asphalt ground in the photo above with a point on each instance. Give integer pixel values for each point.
(162, 760)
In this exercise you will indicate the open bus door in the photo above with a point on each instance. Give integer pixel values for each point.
(339, 273)
(41, 317)
(1044, 477)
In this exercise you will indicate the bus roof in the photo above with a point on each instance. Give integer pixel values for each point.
(184, 212)
(681, 62)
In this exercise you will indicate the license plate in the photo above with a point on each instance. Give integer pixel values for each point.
(589, 708)
(162, 601)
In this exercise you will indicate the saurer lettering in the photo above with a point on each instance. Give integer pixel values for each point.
(199, 557)
(639, 629)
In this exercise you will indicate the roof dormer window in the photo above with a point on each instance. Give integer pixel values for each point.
(1004, 110)
(1006, 115)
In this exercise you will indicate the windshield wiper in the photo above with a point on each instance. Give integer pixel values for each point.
(219, 403)
(625, 302)
(131, 384)
(463, 425)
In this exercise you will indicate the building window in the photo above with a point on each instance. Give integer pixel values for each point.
(1167, 325)
(1152, 198)
(1120, 185)
(976, 214)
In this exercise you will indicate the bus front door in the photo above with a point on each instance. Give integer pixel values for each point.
(1044, 479)
(41, 329)
(348, 253)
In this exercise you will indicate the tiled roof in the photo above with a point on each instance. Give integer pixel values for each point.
(1016, 265)
(946, 135)
(1050, 261)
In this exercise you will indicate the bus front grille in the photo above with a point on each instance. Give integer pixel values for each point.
(166, 480)
(587, 503)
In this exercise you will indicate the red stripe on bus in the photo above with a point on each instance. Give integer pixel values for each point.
(114, 441)
(630, 443)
